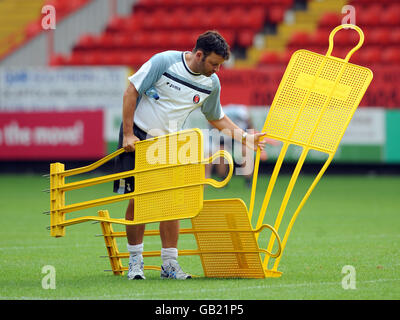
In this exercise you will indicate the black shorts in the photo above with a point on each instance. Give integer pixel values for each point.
(126, 161)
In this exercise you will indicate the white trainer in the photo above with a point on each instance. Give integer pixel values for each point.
(136, 267)
(172, 270)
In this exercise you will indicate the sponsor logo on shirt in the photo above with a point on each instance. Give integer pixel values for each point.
(173, 86)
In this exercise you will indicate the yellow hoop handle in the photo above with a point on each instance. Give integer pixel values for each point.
(278, 239)
(227, 156)
(345, 26)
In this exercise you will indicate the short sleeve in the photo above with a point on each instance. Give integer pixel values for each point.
(149, 73)
(211, 108)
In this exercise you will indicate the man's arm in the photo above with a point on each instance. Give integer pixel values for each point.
(128, 110)
(228, 127)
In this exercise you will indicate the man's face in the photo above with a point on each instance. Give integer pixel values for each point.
(209, 65)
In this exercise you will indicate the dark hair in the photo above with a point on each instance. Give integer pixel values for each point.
(212, 41)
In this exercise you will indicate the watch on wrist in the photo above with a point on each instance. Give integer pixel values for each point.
(244, 135)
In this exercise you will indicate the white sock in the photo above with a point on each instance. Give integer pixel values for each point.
(135, 249)
(169, 254)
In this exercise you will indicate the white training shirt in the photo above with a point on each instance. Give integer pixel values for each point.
(180, 92)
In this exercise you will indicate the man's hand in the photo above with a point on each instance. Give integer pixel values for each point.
(129, 142)
(253, 141)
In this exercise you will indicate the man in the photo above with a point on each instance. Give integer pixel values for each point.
(163, 91)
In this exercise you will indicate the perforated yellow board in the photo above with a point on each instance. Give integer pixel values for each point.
(229, 248)
(169, 177)
(316, 99)
(226, 242)
(312, 108)
(182, 153)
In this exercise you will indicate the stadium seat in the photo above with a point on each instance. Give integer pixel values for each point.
(391, 56)
(390, 16)
(123, 40)
(370, 56)
(86, 41)
(380, 36)
(115, 24)
(329, 20)
(356, 57)
(58, 60)
(346, 38)
(253, 18)
(319, 38)
(369, 16)
(269, 58)
(395, 36)
(285, 58)
(245, 38)
(275, 14)
(299, 39)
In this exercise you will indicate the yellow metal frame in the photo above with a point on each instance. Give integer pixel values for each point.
(226, 242)
(58, 187)
(309, 121)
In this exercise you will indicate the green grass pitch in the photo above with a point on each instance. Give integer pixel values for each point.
(348, 220)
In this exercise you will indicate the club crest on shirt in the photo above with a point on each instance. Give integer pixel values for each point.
(196, 99)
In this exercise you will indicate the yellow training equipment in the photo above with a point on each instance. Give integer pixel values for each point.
(312, 108)
(169, 177)
(226, 242)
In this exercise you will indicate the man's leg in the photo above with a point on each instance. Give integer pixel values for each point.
(169, 233)
(135, 236)
(135, 233)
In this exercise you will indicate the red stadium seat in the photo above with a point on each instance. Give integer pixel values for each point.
(253, 18)
(391, 56)
(390, 16)
(319, 38)
(58, 60)
(132, 24)
(370, 56)
(123, 40)
(190, 19)
(346, 38)
(111, 58)
(395, 36)
(380, 36)
(369, 16)
(86, 41)
(356, 58)
(245, 38)
(83, 58)
(299, 39)
(275, 14)
(229, 36)
(269, 58)
(287, 55)
(106, 40)
(330, 20)
(180, 40)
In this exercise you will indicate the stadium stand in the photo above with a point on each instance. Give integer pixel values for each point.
(21, 20)
(263, 34)
(156, 25)
(380, 22)
(14, 19)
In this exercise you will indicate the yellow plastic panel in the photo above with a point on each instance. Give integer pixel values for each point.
(312, 108)
(183, 149)
(316, 100)
(229, 214)
(169, 177)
